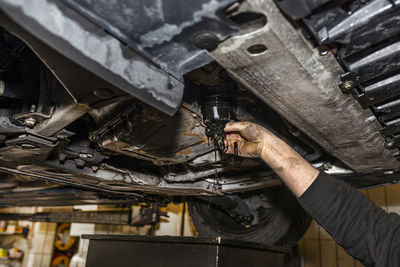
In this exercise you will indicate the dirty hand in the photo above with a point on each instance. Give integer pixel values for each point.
(245, 139)
(252, 140)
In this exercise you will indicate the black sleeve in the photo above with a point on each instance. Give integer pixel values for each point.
(364, 230)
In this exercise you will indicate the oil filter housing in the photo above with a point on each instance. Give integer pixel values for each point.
(216, 111)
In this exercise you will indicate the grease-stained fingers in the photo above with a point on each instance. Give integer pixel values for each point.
(235, 148)
(233, 136)
(236, 126)
(242, 148)
(231, 145)
(230, 139)
(230, 136)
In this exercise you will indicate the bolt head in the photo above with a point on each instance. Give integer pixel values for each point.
(389, 144)
(30, 122)
(348, 85)
(323, 50)
(32, 108)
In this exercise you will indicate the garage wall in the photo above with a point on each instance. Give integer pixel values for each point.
(38, 246)
(318, 249)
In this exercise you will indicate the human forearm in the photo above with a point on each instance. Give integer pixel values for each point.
(252, 140)
(364, 230)
(295, 171)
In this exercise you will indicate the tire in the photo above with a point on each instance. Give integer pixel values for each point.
(283, 221)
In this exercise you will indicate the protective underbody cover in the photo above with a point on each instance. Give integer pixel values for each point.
(302, 85)
(141, 48)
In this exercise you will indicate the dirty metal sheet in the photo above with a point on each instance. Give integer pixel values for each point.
(163, 32)
(83, 42)
(302, 85)
(146, 133)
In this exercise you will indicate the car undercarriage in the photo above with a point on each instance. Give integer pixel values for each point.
(126, 102)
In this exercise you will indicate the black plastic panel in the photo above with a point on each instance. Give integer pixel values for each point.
(180, 251)
(365, 38)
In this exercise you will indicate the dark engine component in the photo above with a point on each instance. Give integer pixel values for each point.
(299, 9)
(216, 113)
(11, 90)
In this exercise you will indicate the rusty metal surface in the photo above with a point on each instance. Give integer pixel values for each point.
(26, 148)
(126, 182)
(301, 85)
(145, 133)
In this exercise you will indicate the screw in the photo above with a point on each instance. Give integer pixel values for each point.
(323, 50)
(62, 157)
(389, 144)
(30, 122)
(85, 155)
(296, 133)
(348, 85)
(327, 166)
(33, 108)
(79, 163)
(371, 118)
